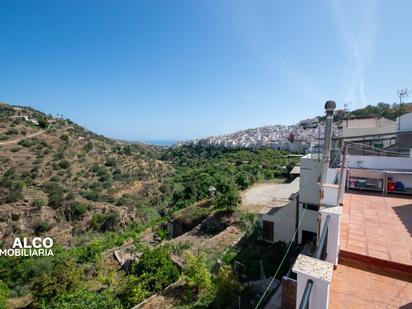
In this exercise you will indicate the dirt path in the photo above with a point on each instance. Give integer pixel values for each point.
(267, 195)
(22, 138)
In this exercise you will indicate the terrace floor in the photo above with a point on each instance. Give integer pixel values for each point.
(378, 228)
(375, 258)
(359, 288)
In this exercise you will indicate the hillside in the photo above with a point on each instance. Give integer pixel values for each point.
(55, 176)
(95, 196)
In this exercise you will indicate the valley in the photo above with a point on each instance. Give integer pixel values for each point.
(109, 207)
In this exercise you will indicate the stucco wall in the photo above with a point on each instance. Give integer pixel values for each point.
(310, 170)
(284, 222)
(376, 162)
(406, 122)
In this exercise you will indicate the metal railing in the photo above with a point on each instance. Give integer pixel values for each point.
(304, 304)
(319, 254)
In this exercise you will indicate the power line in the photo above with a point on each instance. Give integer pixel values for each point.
(283, 259)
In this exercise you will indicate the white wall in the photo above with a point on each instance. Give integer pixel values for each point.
(349, 132)
(310, 170)
(284, 222)
(331, 175)
(319, 296)
(406, 122)
(330, 194)
(376, 162)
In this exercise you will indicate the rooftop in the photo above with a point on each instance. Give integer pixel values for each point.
(378, 229)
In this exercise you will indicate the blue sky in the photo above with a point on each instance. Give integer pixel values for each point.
(151, 70)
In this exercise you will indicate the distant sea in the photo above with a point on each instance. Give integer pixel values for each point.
(161, 142)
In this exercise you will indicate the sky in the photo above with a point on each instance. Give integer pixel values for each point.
(177, 70)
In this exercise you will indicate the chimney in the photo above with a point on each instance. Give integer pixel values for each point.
(329, 108)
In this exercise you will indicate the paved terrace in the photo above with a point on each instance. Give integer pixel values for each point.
(375, 258)
(361, 288)
(377, 229)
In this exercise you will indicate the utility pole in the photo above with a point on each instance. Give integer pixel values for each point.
(402, 93)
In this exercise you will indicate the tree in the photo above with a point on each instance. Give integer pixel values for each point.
(196, 273)
(42, 122)
(135, 291)
(156, 269)
(4, 294)
(243, 180)
(228, 200)
(87, 299)
(105, 222)
(227, 287)
(65, 277)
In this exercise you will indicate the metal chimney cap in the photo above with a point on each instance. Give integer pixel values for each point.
(330, 106)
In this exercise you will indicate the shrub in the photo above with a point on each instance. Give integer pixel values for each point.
(55, 193)
(228, 200)
(64, 164)
(111, 162)
(227, 287)
(126, 150)
(91, 195)
(154, 271)
(38, 203)
(196, 273)
(88, 147)
(25, 143)
(42, 227)
(4, 294)
(42, 122)
(87, 299)
(77, 210)
(135, 291)
(12, 131)
(89, 253)
(15, 192)
(163, 233)
(15, 149)
(59, 155)
(65, 277)
(104, 222)
(64, 138)
(156, 267)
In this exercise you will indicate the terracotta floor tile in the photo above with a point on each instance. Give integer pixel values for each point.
(379, 254)
(373, 222)
(355, 288)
